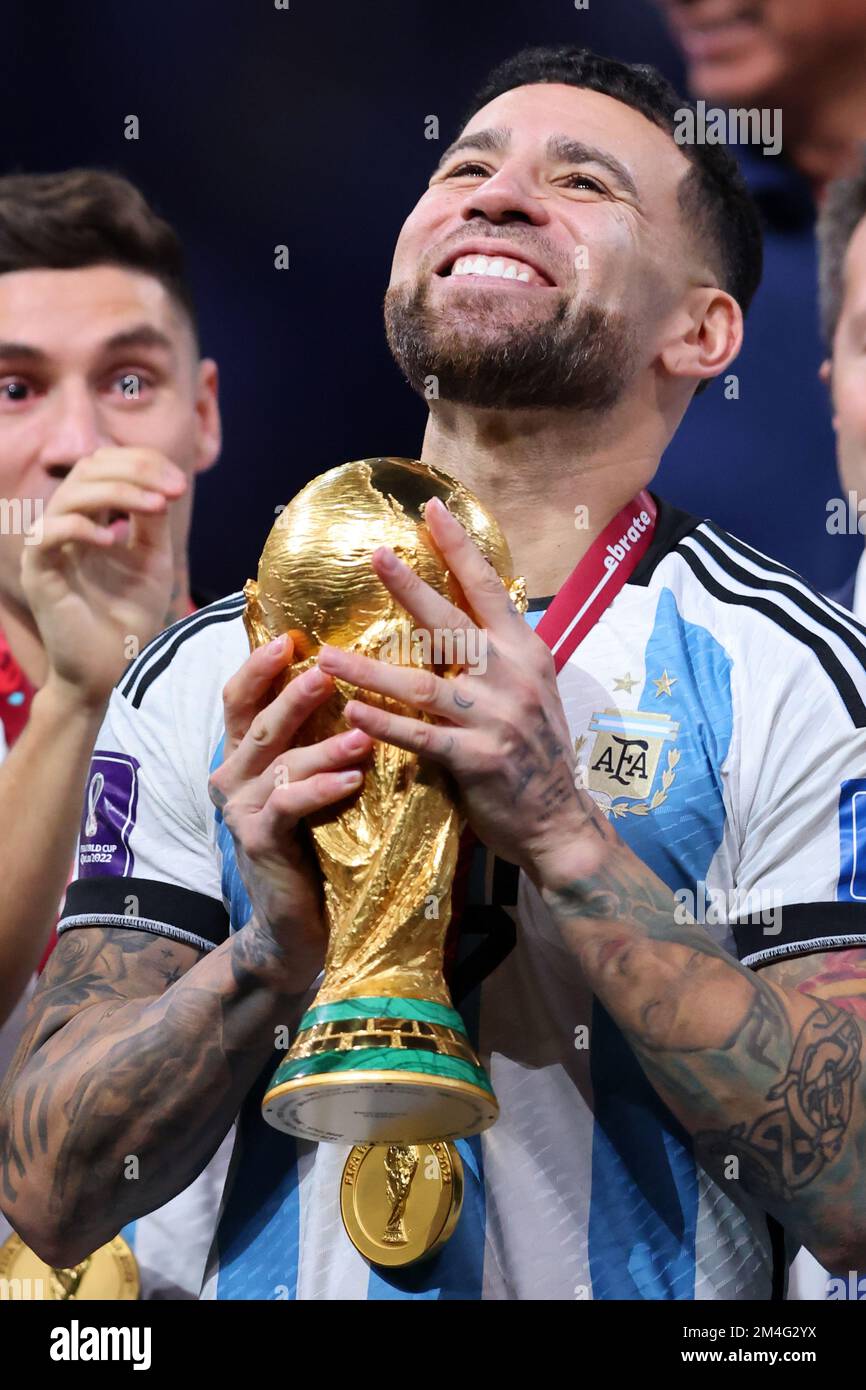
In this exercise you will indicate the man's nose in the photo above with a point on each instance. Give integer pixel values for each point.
(72, 430)
(509, 195)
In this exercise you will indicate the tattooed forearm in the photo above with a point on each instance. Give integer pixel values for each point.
(761, 1067)
(808, 1113)
(134, 1045)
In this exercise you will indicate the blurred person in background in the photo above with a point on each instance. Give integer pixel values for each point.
(808, 61)
(842, 250)
(107, 412)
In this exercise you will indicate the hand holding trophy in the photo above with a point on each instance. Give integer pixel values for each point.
(381, 1057)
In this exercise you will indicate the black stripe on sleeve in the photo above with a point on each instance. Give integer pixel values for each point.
(150, 664)
(798, 928)
(754, 557)
(178, 909)
(830, 662)
(797, 593)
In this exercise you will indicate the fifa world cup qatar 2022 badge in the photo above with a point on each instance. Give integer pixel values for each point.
(382, 1059)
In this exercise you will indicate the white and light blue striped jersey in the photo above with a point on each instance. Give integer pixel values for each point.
(170, 1244)
(719, 713)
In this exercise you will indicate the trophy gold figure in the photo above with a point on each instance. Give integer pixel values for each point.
(381, 1056)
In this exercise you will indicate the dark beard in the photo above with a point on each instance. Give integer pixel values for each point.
(582, 362)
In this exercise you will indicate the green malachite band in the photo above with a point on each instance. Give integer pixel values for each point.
(421, 1009)
(394, 1059)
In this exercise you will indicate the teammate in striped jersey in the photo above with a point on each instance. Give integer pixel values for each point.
(101, 384)
(663, 952)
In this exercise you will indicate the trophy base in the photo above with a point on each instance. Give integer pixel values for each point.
(380, 1070)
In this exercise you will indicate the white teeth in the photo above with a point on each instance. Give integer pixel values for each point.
(496, 267)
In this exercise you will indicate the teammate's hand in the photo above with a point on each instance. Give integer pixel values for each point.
(264, 788)
(501, 732)
(99, 588)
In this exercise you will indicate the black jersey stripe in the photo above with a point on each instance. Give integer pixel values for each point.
(183, 908)
(156, 669)
(832, 666)
(754, 557)
(175, 636)
(808, 601)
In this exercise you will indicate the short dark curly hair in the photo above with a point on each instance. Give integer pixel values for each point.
(843, 210)
(713, 197)
(83, 217)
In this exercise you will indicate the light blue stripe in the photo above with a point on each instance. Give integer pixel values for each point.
(259, 1234)
(233, 890)
(644, 1196)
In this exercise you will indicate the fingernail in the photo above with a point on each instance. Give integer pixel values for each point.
(386, 558)
(277, 646)
(356, 739)
(351, 779)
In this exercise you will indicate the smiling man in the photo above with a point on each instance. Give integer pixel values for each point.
(107, 413)
(686, 716)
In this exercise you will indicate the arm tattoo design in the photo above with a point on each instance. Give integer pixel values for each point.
(163, 1079)
(809, 1112)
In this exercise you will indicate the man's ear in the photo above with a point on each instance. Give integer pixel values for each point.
(709, 338)
(209, 436)
(825, 374)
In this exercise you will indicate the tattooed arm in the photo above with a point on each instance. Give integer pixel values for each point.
(764, 1069)
(135, 1044)
(88, 597)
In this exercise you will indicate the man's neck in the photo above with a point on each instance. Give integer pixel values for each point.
(552, 482)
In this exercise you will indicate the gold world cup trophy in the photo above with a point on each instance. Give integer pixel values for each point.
(382, 1056)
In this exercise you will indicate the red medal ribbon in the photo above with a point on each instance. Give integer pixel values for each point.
(597, 579)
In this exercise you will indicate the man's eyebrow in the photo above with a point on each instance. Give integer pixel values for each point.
(143, 335)
(497, 139)
(494, 140)
(22, 350)
(576, 152)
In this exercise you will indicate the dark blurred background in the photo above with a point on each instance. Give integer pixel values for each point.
(305, 126)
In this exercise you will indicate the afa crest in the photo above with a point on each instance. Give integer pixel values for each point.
(625, 771)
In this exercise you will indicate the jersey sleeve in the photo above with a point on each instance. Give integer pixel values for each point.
(145, 860)
(801, 883)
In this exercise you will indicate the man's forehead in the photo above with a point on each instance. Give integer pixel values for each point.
(82, 295)
(539, 113)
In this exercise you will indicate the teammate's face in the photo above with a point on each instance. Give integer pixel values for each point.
(848, 376)
(745, 50)
(572, 198)
(88, 358)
